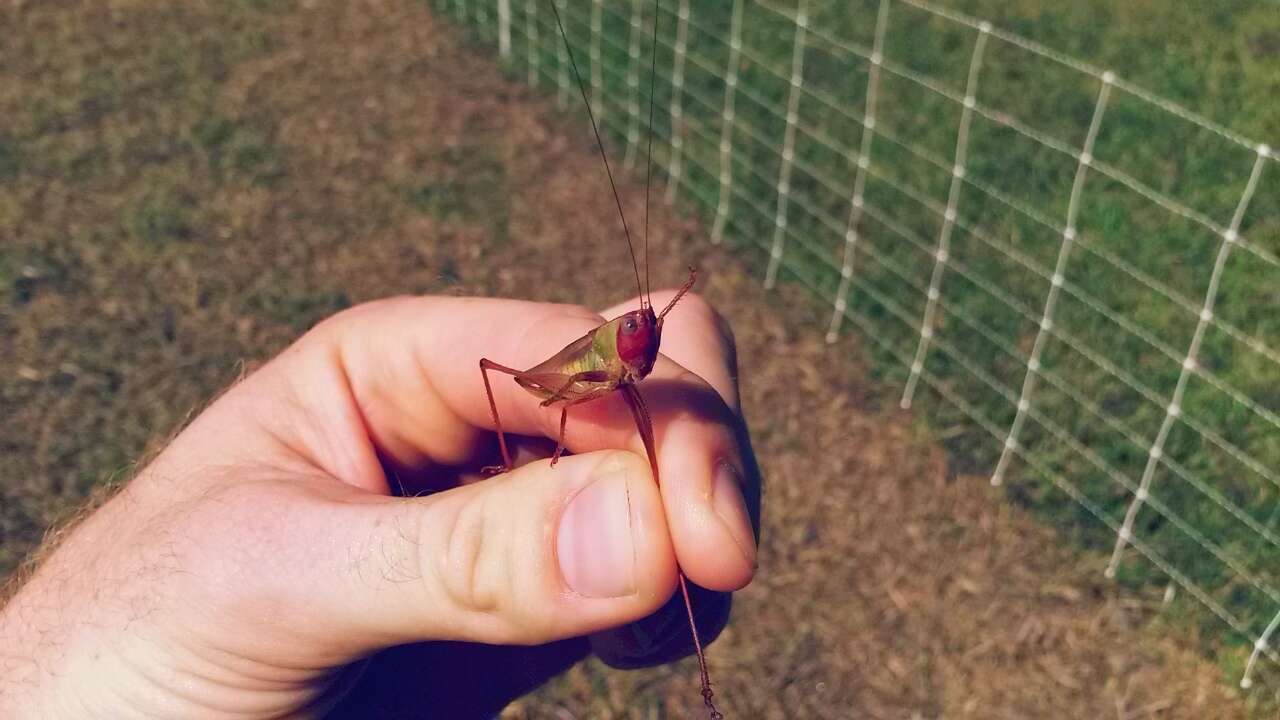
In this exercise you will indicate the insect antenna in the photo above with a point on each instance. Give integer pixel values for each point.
(693, 277)
(648, 172)
(582, 88)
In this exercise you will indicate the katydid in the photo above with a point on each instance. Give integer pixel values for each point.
(612, 357)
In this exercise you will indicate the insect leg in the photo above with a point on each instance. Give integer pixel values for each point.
(564, 416)
(564, 419)
(586, 376)
(485, 366)
(563, 394)
(640, 412)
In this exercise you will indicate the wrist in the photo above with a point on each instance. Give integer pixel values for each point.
(29, 674)
(52, 668)
(63, 656)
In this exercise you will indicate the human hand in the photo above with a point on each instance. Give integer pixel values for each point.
(256, 565)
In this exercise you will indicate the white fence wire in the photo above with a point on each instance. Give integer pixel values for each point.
(1071, 376)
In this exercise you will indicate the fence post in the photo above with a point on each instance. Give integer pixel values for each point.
(531, 32)
(1055, 283)
(504, 29)
(1259, 647)
(675, 169)
(482, 18)
(597, 73)
(949, 217)
(860, 178)
(633, 86)
(726, 127)
(562, 63)
(788, 147)
(1229, 238)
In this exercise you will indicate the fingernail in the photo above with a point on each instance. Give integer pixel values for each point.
(594, 543)
(726, 498)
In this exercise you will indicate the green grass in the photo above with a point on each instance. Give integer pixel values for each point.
(115, 166)
(468, 195)
(1135, 260)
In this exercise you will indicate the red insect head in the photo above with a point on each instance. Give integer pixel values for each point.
(639, 335)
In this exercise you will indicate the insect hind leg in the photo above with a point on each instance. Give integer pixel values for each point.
(563, 394)
(485, 366)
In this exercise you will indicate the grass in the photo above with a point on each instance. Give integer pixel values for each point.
(1135, 280)
(175, 207)
(106, 167)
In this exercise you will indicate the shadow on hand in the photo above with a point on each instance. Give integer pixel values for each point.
(664, 636)
(473, 681)
(454, 679)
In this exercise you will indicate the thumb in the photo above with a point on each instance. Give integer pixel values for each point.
(532, 556)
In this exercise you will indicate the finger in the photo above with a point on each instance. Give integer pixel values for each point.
(410, 368)
(411, 365)
(664, 635)
(700, 468)
(532, 556)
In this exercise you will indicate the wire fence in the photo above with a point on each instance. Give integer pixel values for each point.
(999, 220)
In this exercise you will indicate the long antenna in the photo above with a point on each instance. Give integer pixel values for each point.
(648, 171)
(582, 87)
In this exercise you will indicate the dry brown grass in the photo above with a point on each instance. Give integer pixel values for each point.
(890, 586)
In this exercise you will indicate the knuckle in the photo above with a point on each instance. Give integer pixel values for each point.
(463, 562)
(477, 579)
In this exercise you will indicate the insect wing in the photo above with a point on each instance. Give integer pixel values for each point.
(555, 375)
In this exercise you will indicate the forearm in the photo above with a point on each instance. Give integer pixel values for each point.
(75, 634)
(35, 681)
(34, 631)
(46, 663)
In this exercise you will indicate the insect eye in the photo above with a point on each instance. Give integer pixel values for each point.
(629, 325)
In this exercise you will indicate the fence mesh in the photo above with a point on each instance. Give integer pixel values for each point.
(1075, 275)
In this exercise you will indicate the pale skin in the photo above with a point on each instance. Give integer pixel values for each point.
(249, 570)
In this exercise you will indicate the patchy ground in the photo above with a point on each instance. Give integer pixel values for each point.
(182, 195)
